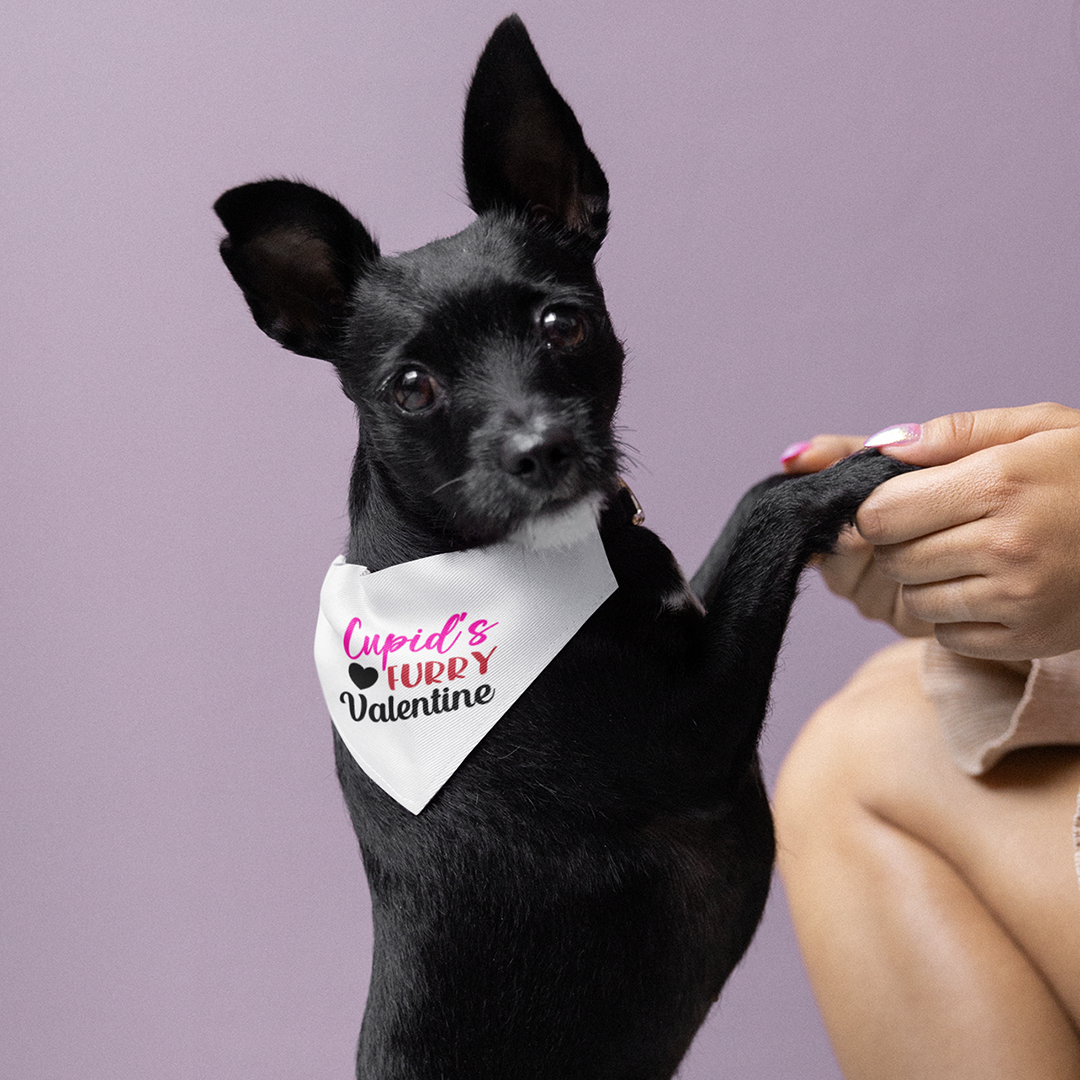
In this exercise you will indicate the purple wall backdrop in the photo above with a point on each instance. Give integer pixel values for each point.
(828, 215)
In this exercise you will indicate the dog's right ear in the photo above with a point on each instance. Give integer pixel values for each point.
(296, 253)
(523, 149)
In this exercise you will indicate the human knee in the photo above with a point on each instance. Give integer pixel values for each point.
(815, 777)
(851, 749)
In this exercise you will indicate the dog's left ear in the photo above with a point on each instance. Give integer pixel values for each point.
(523, 148)
(297, 253)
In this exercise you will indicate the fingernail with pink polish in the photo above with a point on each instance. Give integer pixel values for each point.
(793, 451)
(897, 435)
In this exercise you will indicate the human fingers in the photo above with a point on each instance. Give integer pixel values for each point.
(960, 600)
(1029, 488)
(844, 567)
(970, 617)
(1015, 565)
(973, 549)
(819, 452)
(948, 438)
(988, 572)
(941, 497)
(990, 641)
(852, 571)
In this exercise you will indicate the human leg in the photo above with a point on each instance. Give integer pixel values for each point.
(939, 914)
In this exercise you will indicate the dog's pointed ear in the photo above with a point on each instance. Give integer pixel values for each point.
(523, 148)
(296, 253)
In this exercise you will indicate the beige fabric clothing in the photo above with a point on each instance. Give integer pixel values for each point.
(987, 710)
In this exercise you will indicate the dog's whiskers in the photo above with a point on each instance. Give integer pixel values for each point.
(456, 480)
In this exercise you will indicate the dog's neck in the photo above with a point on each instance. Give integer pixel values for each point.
(386, 528)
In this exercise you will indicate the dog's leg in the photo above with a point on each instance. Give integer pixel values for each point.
(750, 578)
(707, 576)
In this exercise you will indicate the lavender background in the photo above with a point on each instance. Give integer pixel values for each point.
(828, 215)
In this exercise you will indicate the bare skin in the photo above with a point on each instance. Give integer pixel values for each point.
(982, 547)
(938, 913)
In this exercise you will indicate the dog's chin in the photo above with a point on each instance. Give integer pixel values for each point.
(559, 528)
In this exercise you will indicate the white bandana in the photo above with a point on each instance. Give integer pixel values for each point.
(419, 661)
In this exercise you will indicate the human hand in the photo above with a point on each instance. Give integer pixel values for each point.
(983, 545)
(852, 569)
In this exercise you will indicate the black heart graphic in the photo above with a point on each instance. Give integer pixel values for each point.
(363, 676)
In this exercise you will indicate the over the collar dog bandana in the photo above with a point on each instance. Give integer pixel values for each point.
(419, 661)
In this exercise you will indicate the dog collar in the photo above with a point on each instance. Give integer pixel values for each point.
(626, 504)
(419, 661)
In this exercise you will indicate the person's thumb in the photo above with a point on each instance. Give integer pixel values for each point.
(949, 438)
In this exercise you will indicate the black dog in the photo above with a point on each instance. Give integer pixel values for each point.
(571, 902)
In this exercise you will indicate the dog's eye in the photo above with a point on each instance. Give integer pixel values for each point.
(562, 328)
(415, 391)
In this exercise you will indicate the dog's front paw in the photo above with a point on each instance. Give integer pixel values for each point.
(830, 499)
(865, 470)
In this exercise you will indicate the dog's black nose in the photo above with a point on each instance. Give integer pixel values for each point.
(540, 460)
